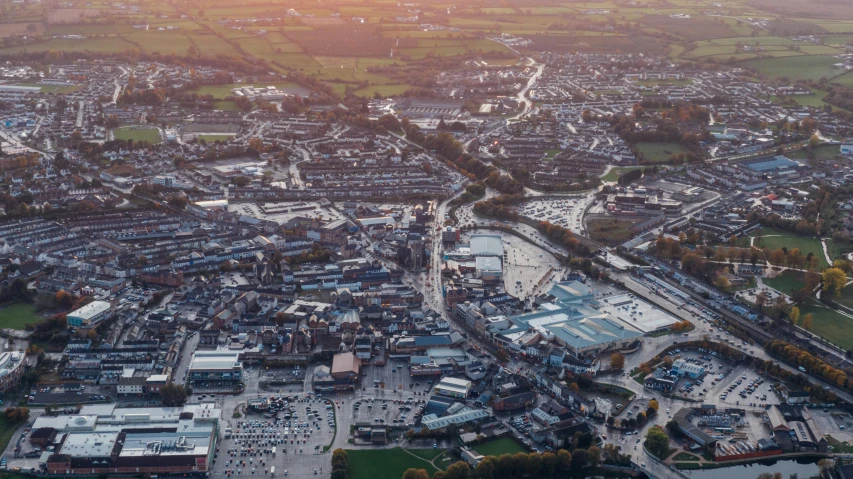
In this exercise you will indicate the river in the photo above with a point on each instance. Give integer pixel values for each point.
(803, 469)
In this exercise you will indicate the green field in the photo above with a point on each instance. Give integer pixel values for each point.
(613, 174)
(212, 138)
(58, 89)
(846, 297)
(786, 281)
(822, 153)
(829, 324)
(777, 239)
(18, 315)
(811, 67)
(384, 463)
(658, 152)
(138, 133)
(504, 445)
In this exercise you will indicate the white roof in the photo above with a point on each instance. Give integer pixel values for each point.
(486, 245)
(90, 310)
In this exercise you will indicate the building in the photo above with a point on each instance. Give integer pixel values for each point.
(486, 245)
(346, 366)
(12, 367)
(682, 368)
(104, 439)
(215, 366)
(567, 317)
(90, 315)
(682, 421)
(453, 387)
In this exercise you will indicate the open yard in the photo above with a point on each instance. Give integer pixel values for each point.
(504, 445)
(137, 133)
(17, 316)
(385, 463)
(610, 230)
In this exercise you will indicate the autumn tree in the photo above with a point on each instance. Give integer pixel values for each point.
(617, 361)
(834, 281)
(794, 315)
(807, 321)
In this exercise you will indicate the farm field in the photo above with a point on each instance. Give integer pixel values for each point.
(812, 67)
(504, 445)
(137, 133)
(18, 316)
(384, 463)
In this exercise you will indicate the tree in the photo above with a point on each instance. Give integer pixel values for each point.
(256, 144)
(564, 461)
(657, 442)
(17, 414)
(617, 361)
(807, 321)
(834, 280)
(794, 315)
(654, 404)
(413, 473)
(457, 470)
(594, 455)
(814, 142)
(173, 395)
(761, 300)
(64, 298)
(580, 458)
(722, 282)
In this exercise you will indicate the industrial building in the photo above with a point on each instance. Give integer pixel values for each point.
(104, 439)
(217, 366)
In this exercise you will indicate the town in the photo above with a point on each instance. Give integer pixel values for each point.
(551, 262)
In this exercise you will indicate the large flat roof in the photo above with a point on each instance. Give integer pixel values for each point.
(215, 361)
(89, 311)
(486, 245)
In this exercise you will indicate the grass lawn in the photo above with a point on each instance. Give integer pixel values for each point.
(610, 230)
(846, 297)
(776, 239)
(821, 153)
(137, 133)
(7, 429)
(212, 138)
(829, 324)
(613, 174)
(683, 456)
(787, 281)
(836, 250)
(658, 152)
(58, 89)
(838, 446)
(17, 316)
(383, 463)
(500, 446)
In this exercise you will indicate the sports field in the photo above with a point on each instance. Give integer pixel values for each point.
(387, 463)
(17, 316)
(137, 133)
(504, 445)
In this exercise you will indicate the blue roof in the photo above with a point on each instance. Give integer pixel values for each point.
(770, 163)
